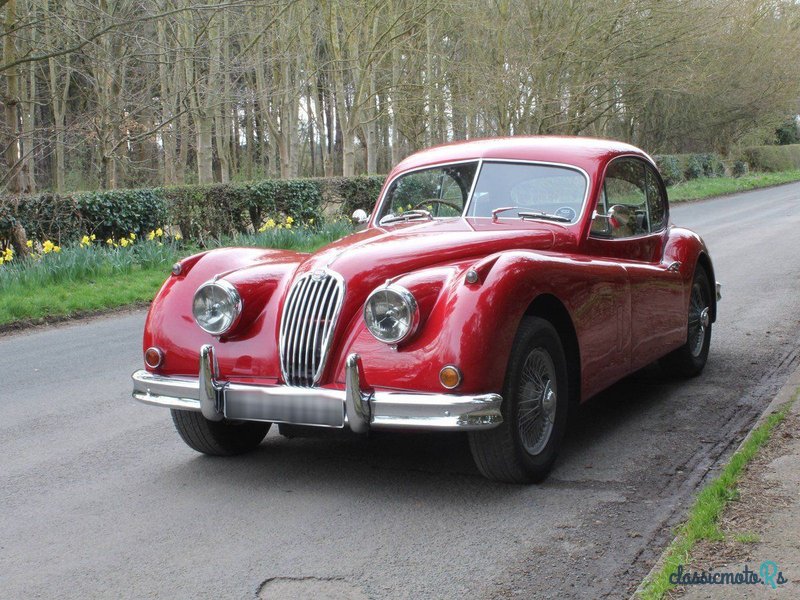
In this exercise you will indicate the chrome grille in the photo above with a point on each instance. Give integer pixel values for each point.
(309, 318)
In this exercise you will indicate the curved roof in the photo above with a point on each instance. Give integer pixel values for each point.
(584, 152)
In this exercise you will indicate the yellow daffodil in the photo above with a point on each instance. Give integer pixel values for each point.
(311, 221)
(132, 236)
(29, 244)
(110, 242)
(124, 242)
(159, 232)
(85, 241)
(48, 246)
(280, 226)
(289, 220)
(92, 237)
(178, 237)
(151, 235)
(8, 255)
(288, 226)
(56, 249)
(1, 260)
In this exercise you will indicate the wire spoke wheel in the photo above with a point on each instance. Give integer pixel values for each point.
(537, 393)
(699, 319)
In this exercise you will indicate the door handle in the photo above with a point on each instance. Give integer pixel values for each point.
(675, 267)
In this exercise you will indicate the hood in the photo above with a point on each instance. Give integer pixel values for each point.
(378, 254)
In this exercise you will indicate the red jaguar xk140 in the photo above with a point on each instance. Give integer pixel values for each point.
(497, 284)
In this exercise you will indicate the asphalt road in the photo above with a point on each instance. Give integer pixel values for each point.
(99, 497)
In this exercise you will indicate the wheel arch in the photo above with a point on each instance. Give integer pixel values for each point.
(551, 309)
(704, 261)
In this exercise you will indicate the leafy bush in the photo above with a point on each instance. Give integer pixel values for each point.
(772, 158)
(740, 168)
(694, 167)
(670, 168)
(199, 212)
(788, 133)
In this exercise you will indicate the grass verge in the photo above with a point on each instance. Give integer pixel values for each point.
(703, 520)
(708, 187)
(80, 280)
(58, 299)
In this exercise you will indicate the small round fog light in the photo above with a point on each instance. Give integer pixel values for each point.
(450, 376)
(177, 269)
(153, 357)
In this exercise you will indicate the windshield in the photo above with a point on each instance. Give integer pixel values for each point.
(522, 189)
(430, 193)
(528, 190)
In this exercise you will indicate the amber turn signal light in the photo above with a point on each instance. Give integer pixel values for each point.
(153, 357)
(450, 376)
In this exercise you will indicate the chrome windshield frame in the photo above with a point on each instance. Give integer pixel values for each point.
(470, 197)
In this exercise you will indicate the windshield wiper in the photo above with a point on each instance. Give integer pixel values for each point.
(406, 216)
(544, 216)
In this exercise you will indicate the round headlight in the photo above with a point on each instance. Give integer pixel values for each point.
(216, 306)
(391, 314)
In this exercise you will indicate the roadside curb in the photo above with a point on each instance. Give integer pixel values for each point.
(783, 396)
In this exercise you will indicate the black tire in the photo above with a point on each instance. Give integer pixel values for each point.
(218, 438)
(505, 453)
(690, 359)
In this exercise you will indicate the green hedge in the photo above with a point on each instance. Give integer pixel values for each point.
(198, 211)
(676, 168)
(772, 158)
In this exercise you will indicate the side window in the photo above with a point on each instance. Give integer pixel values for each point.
(656, 202)
(623, 210)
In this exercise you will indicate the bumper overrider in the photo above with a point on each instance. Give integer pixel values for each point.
(357, 406)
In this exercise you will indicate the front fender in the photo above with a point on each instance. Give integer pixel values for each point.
(260, 275)
(469, 325)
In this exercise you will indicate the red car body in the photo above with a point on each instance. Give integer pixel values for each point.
(617, 303)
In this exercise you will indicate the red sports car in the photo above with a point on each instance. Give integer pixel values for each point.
(496, 284)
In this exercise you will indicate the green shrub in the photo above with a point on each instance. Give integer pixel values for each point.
(740, 168)
(199, 212)
(772, 158)
(693, 168)
(670, 168)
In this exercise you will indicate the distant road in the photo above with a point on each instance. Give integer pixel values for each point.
(101, 499)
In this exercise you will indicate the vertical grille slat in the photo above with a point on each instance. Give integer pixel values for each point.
(307, 325)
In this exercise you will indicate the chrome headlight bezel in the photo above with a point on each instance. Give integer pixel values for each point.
(405, 301)
(232, 299)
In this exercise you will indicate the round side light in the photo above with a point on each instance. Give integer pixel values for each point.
(450, 377)
(153, 357)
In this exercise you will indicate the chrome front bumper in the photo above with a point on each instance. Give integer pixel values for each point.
(356, 407)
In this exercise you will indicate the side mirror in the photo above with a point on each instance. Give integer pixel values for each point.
(360, 216)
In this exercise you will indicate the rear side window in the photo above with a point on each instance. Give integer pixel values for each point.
(656, 201)
(621, 210)
(631, 203)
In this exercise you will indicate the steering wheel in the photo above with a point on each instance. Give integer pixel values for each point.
(458, 209)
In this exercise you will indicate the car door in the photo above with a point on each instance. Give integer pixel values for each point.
(630, 226)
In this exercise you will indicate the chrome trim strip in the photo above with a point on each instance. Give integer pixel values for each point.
(356, 406)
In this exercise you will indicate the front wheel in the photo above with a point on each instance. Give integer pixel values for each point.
(218, 438)
(690, 359)
(535, 406)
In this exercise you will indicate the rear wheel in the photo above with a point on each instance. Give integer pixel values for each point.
(218, 438)
(535, 406)
(690, 359)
